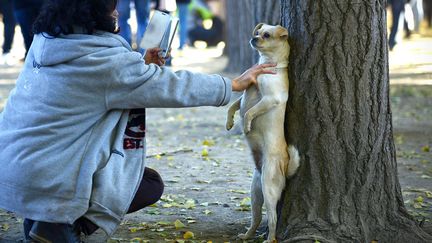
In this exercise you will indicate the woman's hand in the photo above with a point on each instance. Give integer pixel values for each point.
(152, 56)
(249, 77)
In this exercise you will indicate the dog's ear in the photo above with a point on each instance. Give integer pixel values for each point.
(257, 28)
(282, 32)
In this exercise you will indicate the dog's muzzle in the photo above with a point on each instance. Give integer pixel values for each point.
(253, 41)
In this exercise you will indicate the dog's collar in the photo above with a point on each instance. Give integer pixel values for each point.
(283, 66)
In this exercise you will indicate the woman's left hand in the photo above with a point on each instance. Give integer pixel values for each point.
(152, 56)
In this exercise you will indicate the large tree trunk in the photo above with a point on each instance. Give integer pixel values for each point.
(242, 16)
(339, 117)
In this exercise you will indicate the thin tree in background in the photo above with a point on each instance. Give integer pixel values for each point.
(242, 17)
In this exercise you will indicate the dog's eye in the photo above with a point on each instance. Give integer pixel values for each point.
(266, 35)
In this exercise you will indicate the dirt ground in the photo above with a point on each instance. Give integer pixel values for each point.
(207, 171)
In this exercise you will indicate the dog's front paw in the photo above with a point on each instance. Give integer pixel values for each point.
(247, 127)
(229, 124)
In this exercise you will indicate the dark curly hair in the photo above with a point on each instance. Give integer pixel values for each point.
(59, 16)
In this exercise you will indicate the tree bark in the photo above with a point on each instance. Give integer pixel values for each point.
(242, 17)
(339, 118)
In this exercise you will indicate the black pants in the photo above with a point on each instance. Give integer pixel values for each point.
(6, 9)
(149, 192)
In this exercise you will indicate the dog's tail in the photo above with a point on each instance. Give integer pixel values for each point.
(294, 161)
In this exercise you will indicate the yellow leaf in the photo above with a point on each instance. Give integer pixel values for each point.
(208, 142)
(188, 235)
(189, 204)
(167, 205)
(178, 224)
(425, 148)
(204, 152)
(245, 202)
(133, 229)
(158, 156)
(428, 194)
(419, 199)
(5, 227)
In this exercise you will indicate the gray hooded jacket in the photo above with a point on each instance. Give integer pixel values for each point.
(64, 147)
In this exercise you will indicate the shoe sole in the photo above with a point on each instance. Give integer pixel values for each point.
(39, 238)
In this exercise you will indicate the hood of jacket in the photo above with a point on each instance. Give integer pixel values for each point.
(50, 51)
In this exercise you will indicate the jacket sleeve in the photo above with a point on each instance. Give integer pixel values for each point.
(137, 85)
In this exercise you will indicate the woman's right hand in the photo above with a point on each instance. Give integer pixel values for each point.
(249, 77)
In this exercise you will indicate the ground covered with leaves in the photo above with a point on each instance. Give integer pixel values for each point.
(208, 171)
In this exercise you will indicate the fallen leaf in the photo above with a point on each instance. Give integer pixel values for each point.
(189, 204)
(419, 199)
(245, 202)
(5, 227)
(208, 142)
(188, 235)
(203, 181)
(417, 205)
(425, 148)
(163, 223)
(167, 205)
(428, 194)
(207, 212)
(238, 191)
(204, 152)
(178, 224)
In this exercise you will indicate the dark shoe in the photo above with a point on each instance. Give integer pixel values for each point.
(44, 232)
(27, 224)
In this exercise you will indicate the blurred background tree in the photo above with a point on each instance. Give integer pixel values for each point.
(242, 16)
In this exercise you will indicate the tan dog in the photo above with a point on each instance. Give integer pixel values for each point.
(262, 110)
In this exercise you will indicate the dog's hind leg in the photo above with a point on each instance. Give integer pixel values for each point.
(257, 201)
(273, 182)
(235, 106)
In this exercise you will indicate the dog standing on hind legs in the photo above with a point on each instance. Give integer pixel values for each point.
(262, 110)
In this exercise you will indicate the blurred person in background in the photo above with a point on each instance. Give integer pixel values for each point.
(201, 13)
(413, 17)
(142, 11)
(427, 8)
(183, 13)
(397, 9)
(26, 12)
(6, 10)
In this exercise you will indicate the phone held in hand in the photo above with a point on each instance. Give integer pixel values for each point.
(160, 32)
